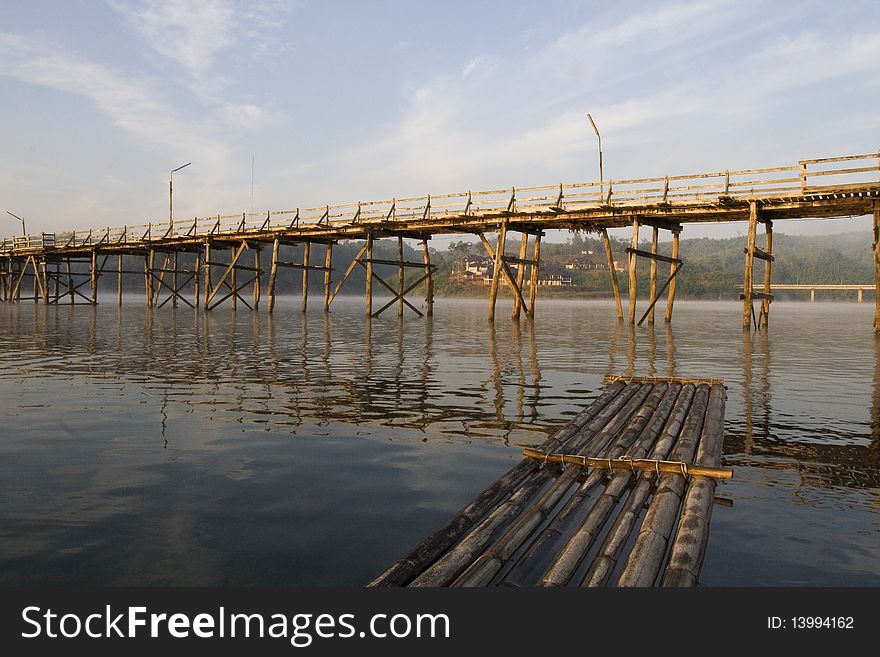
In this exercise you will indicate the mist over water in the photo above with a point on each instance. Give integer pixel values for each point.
(176, 447)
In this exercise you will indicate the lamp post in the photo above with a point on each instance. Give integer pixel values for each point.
(171, 195)
(23, 229)
(596, 130)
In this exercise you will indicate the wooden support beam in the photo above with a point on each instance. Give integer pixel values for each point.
(764, 315)
(369, 282)
(354, 263)
(507, 273)
(400, 296)
(259, 272)
(207, 268)
(273, 273)
(401, 276)
(652, 281)
(520, 274)
(151, 262)
(70, 287)
(94, 275)
(615, 287)
(876, 268)
(174, 280)
(656, 222)
(633, 250)
(761, 254)
(750, 260)
(307, 250)
(533, 274)
(45, 277)
(233, 277)
(670, 301)
(429, 292)
(229, 273)
(757, 295)
(197, 280)
(328, 272)
(651, 255)
(119, 279)
(496, 270)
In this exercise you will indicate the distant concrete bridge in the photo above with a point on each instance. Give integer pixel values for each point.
(812, 288)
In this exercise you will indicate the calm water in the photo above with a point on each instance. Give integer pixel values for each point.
(171, 447)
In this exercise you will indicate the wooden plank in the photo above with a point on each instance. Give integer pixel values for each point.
(761, 255)
(652, 256)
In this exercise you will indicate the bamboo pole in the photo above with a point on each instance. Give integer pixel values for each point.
(151, 291)
(307, 250)
(328, 271)
(652, 289)
(520, 274)
(273, 273)
(45, 275)
(764, 319)
(57, 286)
(453, 562)
(233, 281)
(670, 301)
(876, 269)
(750, 261)
(257, 274)
(496, 270)
(429, 292)
(427, 551)
(490, 562)
(615, 286)
(70, 282)
(692, 536)
(174, 281)
(618, 536)
(633, 259)
(369, 284)
(119, 280)
(645, 560)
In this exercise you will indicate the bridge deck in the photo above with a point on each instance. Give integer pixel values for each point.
(827, 187)
(551, 524)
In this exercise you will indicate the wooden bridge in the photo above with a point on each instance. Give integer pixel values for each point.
(71, 263)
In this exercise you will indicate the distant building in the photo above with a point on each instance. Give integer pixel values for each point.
(585, 262)
(556, 280)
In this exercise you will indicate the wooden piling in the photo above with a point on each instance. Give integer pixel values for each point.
(45, 275)
(93, 272)
(328, 273)
(615, 286)
(764, 317)
(652, 289)
(233, 279)
(174, 281)
(750, 261)
(670, 300)
(429, 291)
(534, 274)
(369, 283)
(119, 279)
(496, 269)
(307, 249)
(520, 273)
(633, 259)
(151, 288)
(207, 267)
(401, 277)
(257, 274)
(197, 278)
(147, 281)
(273, 273)
(876, 268)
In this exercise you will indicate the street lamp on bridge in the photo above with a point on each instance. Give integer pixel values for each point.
(171, 194)
(599, 137)
(23, 229)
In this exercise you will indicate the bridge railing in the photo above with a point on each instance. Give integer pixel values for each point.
(806, 178)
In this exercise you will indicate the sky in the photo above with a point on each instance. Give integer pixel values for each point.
(340, 101)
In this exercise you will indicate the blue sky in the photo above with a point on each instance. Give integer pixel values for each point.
(346, 101)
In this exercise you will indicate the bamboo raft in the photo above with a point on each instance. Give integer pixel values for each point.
(622, 495)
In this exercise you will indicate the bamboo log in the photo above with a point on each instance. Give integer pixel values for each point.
(174, 281)
(401, 277)
(533, 275)
(207, 266)
(459, 557)
(70, 289)
(605, 561)
(520, 274)
(764, 317)
(692, 536)
(403, 570)
(750, 259)
(496, 269)
(647, 426)
(615, 287)
(197, 279)
(633, 259)
(233, 282)
(429, 291)
(652, 289)
(645, 560)
(328, 272)
(670, 301)
(369, 267)
(273, 273)
(307, 251)
(492, 560)
(93, 271)
(119, 280)
(45, 284)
